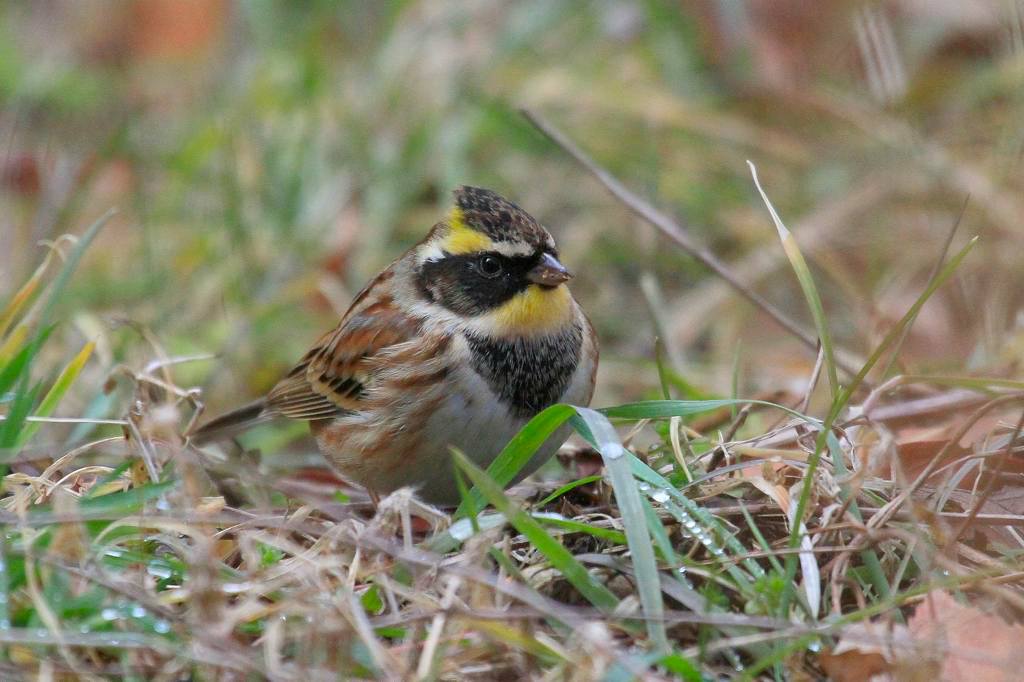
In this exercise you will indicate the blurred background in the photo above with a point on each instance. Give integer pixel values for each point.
(267, 157)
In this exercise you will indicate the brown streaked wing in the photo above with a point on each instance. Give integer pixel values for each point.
(332, 377)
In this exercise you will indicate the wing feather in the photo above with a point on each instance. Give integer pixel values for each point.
(333, 377)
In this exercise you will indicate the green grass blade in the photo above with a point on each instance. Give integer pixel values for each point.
(660, 536)
(572, 526)
(561, 559)
(14, 420)
(844, 397)
(908, 317)
(56, 393)
(696, 520)
(664, 409)
(466, 500)
(19, 369)
(660, 362)
(803, 275)
(682, 667)
(71, 264)
(520, 449)
(947, 242)
(876, 574)
(125, 502)
(5, 588)
(23, 296)
(14, 341)
(645, 568)
(572, 485)
(691, 514)
(19, 365)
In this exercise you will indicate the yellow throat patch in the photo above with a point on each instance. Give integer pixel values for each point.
(461, 238)
(535, 310)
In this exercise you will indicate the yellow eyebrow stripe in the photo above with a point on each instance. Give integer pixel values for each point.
(461, 238)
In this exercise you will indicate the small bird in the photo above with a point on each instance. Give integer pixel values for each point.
(458, 343)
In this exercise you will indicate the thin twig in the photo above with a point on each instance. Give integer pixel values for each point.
(992, 481)
(71, 420)
(805, 404)
(676, 232)
(890, 508)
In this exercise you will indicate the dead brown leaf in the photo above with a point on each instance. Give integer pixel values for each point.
(966, 642)
(944, 640)
(866, 651)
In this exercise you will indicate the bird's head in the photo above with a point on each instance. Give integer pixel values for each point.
(491, 261)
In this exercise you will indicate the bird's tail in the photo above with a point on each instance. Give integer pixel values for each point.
(229, 424)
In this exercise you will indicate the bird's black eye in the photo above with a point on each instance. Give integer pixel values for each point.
(489, 266)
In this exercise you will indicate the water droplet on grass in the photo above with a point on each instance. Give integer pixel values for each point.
(613, 450)
(159, 571)
(461, 530)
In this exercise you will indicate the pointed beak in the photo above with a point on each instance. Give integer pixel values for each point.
(548, 272)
